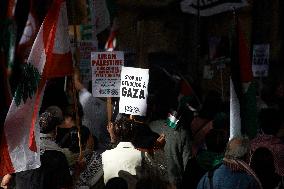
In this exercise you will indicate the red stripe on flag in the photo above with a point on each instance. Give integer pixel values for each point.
(32, 140)
(6, 165)
(59, 65)
(49, 27)
(244, 57)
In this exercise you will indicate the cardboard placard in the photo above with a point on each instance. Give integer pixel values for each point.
(134, 91)
(106, 69)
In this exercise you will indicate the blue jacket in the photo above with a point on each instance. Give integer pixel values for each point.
(225, 178)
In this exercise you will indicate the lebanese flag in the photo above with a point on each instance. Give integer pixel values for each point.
(50, 57)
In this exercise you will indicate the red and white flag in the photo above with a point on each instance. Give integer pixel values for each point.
(50, 57)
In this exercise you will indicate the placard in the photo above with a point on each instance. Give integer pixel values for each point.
(106, 69)
(134, 91)
(85, 48)
(260, 62)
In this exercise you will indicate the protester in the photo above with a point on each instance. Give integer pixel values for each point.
(124, 157)
(202, 123)
(269, 123)
(67, 138)
(263, 165)
(54, 170)
(206, 160)
(95, 116)
(233, 173)
(178, 144)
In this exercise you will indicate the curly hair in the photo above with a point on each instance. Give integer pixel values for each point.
(124, 129)
(50, 119)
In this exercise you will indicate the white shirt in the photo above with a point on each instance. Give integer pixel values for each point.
(95, 116)
(124, 157)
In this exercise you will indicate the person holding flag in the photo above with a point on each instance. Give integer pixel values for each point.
(50, 57)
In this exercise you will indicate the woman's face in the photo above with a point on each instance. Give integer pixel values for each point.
(69, 122)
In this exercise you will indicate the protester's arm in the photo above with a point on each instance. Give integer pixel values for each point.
(113, 141)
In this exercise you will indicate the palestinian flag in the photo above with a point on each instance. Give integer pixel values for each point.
(50, 57)
(243, 110)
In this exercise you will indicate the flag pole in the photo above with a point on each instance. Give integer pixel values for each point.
(74, 93)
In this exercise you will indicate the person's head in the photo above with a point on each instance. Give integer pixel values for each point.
(116, 183)
(151, 183)
(211, 106)
(123, 130)
(269, 120)
(238, 148)
(69, 115)
(262, 161)
(74, 140)
(216, 140)
(50, 119)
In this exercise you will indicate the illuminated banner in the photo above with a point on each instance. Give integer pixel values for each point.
(106, 69)
(134, 91)
(211, 7)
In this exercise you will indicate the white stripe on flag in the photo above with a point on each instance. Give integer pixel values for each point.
(235, 118)
(17, 129)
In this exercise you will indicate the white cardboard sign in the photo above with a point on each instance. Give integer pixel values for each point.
(134, 91)
(106, 68)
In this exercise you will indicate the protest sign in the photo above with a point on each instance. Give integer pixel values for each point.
(260, 62)
(85, 48)
(134, 91)
(106, 68)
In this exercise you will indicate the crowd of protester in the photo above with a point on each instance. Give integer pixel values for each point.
(151, 153)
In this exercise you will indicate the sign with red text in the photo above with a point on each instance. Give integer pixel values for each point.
(106, 69)
(133, 91)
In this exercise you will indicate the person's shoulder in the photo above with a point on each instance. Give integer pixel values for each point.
(54, 155)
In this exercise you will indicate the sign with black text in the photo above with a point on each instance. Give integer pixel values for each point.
(260, 61)
(133, 91)
(106, 68)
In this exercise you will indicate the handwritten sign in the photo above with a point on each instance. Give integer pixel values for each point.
(134, 91)
(106, 69)
(260, 62)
